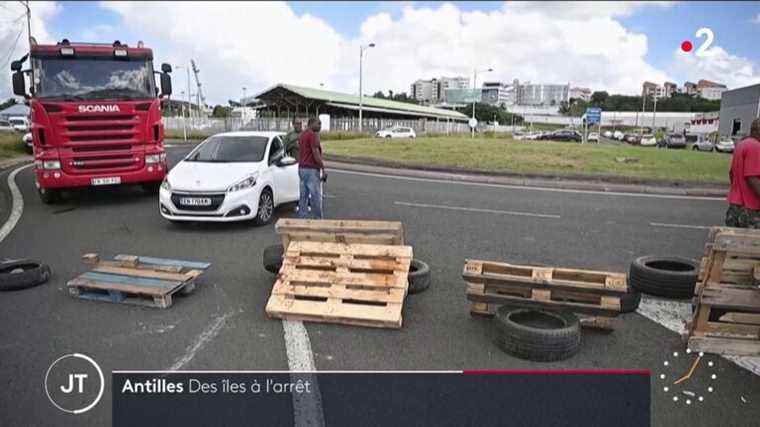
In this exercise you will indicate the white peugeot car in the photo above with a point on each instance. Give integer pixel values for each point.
(231, 176)
(396, 132)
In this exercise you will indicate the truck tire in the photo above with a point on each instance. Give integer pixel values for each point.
(22, 274)
(273, 258)
(668, 277)
(48, 196)
(558, 337)
(419, 276)
(629, 302)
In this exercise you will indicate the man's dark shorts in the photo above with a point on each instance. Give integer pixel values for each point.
(739, 216)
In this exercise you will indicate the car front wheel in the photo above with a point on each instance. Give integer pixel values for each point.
(266, 208)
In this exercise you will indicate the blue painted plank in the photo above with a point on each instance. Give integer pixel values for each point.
(128, 280)
(166, 261)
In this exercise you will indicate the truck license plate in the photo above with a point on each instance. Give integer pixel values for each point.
(106, 181)
(195, 201)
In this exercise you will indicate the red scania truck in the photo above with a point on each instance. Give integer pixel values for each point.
(95, 114)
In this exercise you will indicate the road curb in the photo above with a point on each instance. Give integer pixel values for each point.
(543, 181)
(9, 163)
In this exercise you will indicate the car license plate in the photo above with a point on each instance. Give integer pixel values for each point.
(195, 201)
(106, 181)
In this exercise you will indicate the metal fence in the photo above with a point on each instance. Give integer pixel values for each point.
(337, 124)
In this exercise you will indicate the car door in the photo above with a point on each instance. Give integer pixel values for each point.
(284, 177)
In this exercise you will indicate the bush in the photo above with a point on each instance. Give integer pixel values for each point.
(340, 135)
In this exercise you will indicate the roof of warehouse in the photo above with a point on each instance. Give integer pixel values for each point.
(369, 101)
(16, 110)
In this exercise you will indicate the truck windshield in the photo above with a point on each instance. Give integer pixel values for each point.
(94, 78)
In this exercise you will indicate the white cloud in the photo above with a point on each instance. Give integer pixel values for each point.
(717, 65)
(13, 35)
(756, 19)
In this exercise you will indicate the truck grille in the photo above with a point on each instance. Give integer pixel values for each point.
(216, 201)
(102, 143)
(101, 129)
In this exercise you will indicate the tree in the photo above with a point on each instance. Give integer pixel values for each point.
(599, 98)
(379, 94)
(9, 103)
(488, 113)
(221, 111)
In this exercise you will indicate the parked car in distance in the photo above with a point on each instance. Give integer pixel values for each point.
(563, 135)
(618, 135)
(632, 138)
(675, 140)
(5, 126)
(396, 132)
(648, 140)
(692, 138)
(27, 138)
(19, 123)
(231, 176)
(593, 136)
(607, 134)
(703, 144)
(725, 145)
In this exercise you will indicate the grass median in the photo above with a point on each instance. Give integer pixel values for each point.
(542, 157)
(11, 145)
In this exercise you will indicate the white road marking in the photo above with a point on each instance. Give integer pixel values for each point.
(460, 208)
(527, 188)
(674, 314)
(17, 207)
(207, 335)
(307, 408)
(696, 227)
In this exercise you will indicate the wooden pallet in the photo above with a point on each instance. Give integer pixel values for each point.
(726, 317)
(737, 267)
(490, 284)
(340, 231)
(350, 284)
(130, 279)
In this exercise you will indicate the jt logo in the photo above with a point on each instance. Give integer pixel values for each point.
(80, 382)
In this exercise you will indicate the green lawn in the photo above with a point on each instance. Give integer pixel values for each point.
(11, 145)
(507, 155)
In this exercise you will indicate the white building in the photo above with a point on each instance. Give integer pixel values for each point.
(712, 93)
(582, 93)
(542, 94)
(451, 83)
(498, 94)
(434, 90)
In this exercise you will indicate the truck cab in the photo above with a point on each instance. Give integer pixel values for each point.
(95, 115)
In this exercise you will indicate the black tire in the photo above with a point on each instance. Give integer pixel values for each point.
(273, 258)
(541, 344)
(630, 302)
(668, 277)
(48, 196)
(265, 213)
(419, 276)
(22, 274)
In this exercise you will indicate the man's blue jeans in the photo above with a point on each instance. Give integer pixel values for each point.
(309, 188)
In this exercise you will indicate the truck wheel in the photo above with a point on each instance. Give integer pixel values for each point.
(48, 196)
(539, 335)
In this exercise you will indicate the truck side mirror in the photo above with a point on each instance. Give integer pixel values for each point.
(166, 84)
(16, 65)
(166, 68)
(19, 84)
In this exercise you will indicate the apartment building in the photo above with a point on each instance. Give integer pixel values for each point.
(582, 93)
(434, 90)
(542, 94)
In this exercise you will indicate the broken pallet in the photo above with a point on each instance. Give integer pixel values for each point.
(130, 279)
(352, 284)
(737, 267)
(726, 317)
(490, 284)
(340, 231)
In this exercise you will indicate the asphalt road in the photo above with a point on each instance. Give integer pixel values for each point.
(222, 325)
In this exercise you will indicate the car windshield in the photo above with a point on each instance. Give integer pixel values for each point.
(17, 121)
(226, 149)
(94, 79)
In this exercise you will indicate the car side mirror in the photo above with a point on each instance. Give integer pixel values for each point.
(166, 84)
(286, 161)
(19, 84)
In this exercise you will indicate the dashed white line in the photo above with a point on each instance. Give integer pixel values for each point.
(207, 335)
(462, 208)
(695, 227)
(307, 408)
(454, 181)
(17, 207)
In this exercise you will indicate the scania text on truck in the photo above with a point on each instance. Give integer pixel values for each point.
(95, 115)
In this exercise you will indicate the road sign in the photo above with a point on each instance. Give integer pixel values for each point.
(473, 122)
(593, 115)
(463, 96)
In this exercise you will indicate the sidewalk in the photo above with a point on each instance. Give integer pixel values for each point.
(362, 165)
(13, 161)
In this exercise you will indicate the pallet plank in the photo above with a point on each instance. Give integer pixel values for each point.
(525, 302)
(166, 262)
(133, 272)
(728, 346)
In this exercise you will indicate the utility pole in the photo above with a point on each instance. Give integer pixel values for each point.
(28, 24)
(474, 88)
(361, 93)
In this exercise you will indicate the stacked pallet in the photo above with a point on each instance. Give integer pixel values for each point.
(131, 279)
(491, 284)
(351, 284)
(726, 317)
(340, 231)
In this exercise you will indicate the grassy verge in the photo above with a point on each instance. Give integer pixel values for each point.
(545, 157)
(11, 145)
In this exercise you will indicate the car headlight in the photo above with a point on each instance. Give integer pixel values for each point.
(165, 184)
(248, 182)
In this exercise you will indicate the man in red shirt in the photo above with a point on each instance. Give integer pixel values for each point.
(311, 170)
(744, 196)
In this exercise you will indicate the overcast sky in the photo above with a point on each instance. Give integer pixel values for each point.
(604, 46)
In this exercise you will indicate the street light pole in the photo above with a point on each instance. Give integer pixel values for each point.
(242, 106)
(474, 87)
(361, 93)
